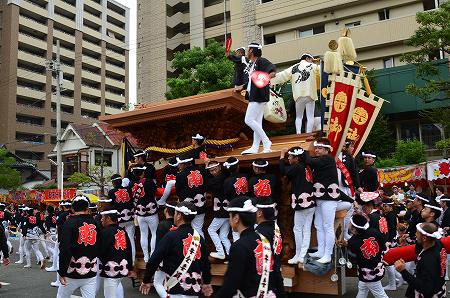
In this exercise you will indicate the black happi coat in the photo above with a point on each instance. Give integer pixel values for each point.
(33, 226)
(214, 185)
(171, 251)
(50, 222)
(368, 248)
(163, 228)
(267, 229)
(60, 220)
(149, 172)
(242, 272)
(170, 173)
(391, 219)
(260, 94)
(79, 247)
(3, 242)
(446, 219)
(143, 193)
(236, 184)
(263, 185)
(326, 184)
(115, 252)
(197, 153)
(121, 199)
(240, 74)
(379, 223)
(5, 216)
(429, 278)
(191, 186)
(368, 178)
(350, 163)
(413, 220)
(301, 185)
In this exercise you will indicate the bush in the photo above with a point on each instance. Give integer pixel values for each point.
(407, 152)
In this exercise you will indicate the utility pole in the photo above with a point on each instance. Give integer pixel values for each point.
(55, 67)
(225, 19)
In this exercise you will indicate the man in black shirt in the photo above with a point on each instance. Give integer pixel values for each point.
(240, 65)
(369, 175)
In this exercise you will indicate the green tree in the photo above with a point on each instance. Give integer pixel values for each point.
(9, 178)
(407, 152)
(432, 36)
(200, 71)
(96, 176)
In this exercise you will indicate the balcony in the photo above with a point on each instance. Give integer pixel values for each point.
(114, 55)
(90, 106)
(32, 24)
(116, 15)
(64, 36)
(176, 19)
(65, 6)
(91, 61)
(94, 5)
(67, 101)
(30, 93)
(215, 9)
(68, 69)
(92, 32)
(114, 83)
(91, 91)
(28, 5)
(31, 75)
(114, 97)
(64, 20)
(368, 36)
(86, 74)
(65, 52)
(68, 85)
(24, 56)
(91, 17)
(177, 40)
(116, 42)
(116, 29)
(112, 111)
(214, 31)
(92, 46)
(28, 39)
(115, 69)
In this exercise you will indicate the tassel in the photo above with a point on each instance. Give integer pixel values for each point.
(367, 85)
(332, 62)
(346, 48)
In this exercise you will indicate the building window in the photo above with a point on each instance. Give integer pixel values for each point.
(265, 1)
(430, 4)
(305, 32)
(388, 62)
(383, 14)
(431, 134)
(409, 131)
(270, 39)
(352, 24)
(107, 158)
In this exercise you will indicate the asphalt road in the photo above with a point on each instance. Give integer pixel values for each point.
(33, 282)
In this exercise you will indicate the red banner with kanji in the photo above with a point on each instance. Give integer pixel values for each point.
(365, 112)
(55, 194)
(342, 94)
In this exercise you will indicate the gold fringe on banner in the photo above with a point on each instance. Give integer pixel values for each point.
(190, 147)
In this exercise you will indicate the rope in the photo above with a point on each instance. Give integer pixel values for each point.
(190, 147)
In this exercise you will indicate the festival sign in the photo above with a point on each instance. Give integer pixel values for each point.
(365, 112)
(342, 95)
(438, 169)
(55, 194)
(402, 174)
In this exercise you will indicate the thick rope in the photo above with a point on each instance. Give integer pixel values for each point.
(190, 147)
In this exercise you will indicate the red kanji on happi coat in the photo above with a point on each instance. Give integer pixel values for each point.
(138, 190)
(279, 246)
(241, 186)
(87, 234)
(203, 155)
(383, 225)
(42, 216)
(32, 220)
(173, 228)
(121, 240)
(170, 177)
(443, 255)
(308, 174)
(262, 188)
(187, 242)
(195, 178)
(54, 219)
(122, 196)
(259, 257)
(2, 214)
(370, 248)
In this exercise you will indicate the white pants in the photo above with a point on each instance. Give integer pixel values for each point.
(32, 245)
(87, 287)
(390, 270)
(112, 287)
(346, 206)
(223, 225)
(45, 247)
(302, 231)
(158, 283)
(253, 118)
(130, 229)
(374, 287)
(167, 190)
(21, 247)
(148, 223)
(300, 104)
(324, 223)
(197, 224)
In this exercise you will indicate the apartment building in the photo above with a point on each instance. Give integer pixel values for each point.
(287, 28)
(94, 40)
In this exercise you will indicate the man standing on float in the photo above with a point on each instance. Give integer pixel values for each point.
(257, 97)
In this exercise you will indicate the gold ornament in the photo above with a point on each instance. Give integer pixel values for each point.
(360, 116)
(340, 102)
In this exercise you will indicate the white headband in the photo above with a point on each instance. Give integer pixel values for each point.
(139, 154)
(172, 164)
(92, 206)
(316, 144)
(248, 207)
(229, 164)
(184, 160)
(185, 210)
(434, 207)
(80, 198)
(307, 55)
(389, 203)
(260, 166)
(212, 166)
(364, 227)
(170, 206)
(198, 137)
(266, 206)
(109, 212)
(296, 152)
(117, 178)
(241, 48)
(436, 235)
(105, 201)
(140, 168)
(257, 46)
(369, 155)
(445, 199)
(422, 198)
(65, 203)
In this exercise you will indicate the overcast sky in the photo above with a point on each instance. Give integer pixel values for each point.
(133, 20)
